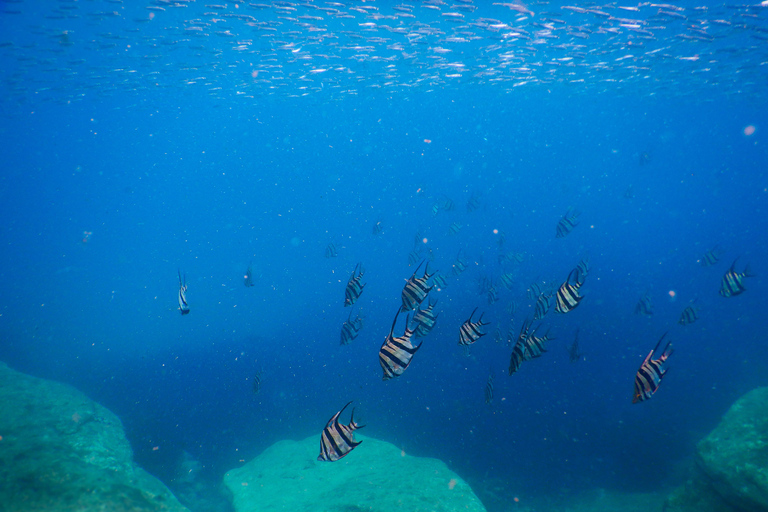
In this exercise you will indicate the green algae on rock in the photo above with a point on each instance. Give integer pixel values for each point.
(60, 451)
(377, 477)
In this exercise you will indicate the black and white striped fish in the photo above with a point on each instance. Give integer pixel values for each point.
(338, 440)
(583, 267)
(644, 306)
(567, 223)
(733, 282)
(395, 354)
(489, 390)
(493, 295)
(568, 295)
(416, 289)
(439, 281)
(248, 277)
(508, 280)
(648, 377)
(543, 304)
(354, 288)
(534, 346)
(711, 257)
(330, 251)
(350, 329)
(510, 257)
(454, 228)
(473, 203)
(470, 332)
(183, 306)
(689, 315)
(518, 351)
(425, 320)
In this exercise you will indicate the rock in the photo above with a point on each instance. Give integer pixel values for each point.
(735, 455)
(732, 462)
(376, 477)
(61, 451)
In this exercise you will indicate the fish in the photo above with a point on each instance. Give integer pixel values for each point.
(733, 282)
(573, 351)
(711, 257)
(510, 257)
(444, 203)
(568, 295)
(459, 265)
(338, 440)
(425, 320)
(648, 377)
(183, 306)
(377, 228)
(543, 305)
(583, 267)
(330, 251)
(248, 277)
(567, 223)
(350, 329)
(629, 193)
(395, 354)
(413, 257)
(470, 332)
(497, 336)
(256, 383)
(473, 203)
(534, 346)
(534, 290)
(416, 289)
(439, 281)
(508, 280)
(454, 228)
(644, 306)
(518, 351)
(354, 289)
(493, 295)
(689, 315)
(489, 390)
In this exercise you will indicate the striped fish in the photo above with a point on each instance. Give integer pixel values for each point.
(183, 306)
(416, 289)
(425, 319)
(396, 353)
(256, 383)
(534, 346)
(510, 257)
(651, 372)
(330, 251)
(543, 304)
(459, 265)
(473, 203)
(508, 280)
(493, 295)
(444, 203)
(354, 289)
(583, 267)
(338, 440)
(350, 329)
(454, 228)
(377, 228)
(644, 306)
(733, 282)
(439, 281)
(568, 295)
(567, 223)
(518, 351)
(248, 277)
(413, 257)
(497, 336)
(689, 315)
(534, 290)
(489, 390)
(711, 257)
(573, 350)
(470, 332)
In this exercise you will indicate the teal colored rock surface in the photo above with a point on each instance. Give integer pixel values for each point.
(731, 472)
(735, 455)
(60, 451)
(376, 476)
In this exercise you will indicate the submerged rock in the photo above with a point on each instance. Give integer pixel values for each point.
(61, 451)
(732, 462)
(376, 476)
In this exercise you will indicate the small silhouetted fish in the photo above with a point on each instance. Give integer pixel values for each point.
(425, 319)
(354, 288)
(644, 306)
(573, 351)
(183, 306)
(377, 228)
(338, 440)
(711, 257)
(689, 315)
(330, 251)
(470, 332)
(489, 390)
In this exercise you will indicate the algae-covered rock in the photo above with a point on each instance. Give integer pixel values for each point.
(735, 455)
(61, 451)
(731, 473)
(376, 476)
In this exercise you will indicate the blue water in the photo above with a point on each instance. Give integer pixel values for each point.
(176, 178)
